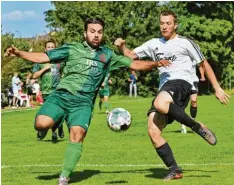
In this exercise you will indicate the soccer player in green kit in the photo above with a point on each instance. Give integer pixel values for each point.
(50, 75)
(104, 93)
(86, 66)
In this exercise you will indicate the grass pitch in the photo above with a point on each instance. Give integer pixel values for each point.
(121, 158)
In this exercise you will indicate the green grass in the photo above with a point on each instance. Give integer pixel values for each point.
(121, 158)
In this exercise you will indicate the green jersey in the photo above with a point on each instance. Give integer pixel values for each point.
(50, 78)
(85, 68)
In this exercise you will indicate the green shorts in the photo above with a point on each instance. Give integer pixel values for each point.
(60, 122)
(104, 92)
(76, 109)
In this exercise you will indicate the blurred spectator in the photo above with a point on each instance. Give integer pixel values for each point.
(10, 96)
(23, 98)
(16, 86)
(29, 87)
(132, 86)
(31, 92)
(3, 100)
(36, 88)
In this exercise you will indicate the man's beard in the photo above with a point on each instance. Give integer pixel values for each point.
(92, 45)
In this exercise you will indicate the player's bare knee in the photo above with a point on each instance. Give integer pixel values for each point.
(77, 134)
(43, 122)
(154, 133)
(153, 130)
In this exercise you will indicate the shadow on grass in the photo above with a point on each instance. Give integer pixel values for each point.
(75, 176)
(101, 113)
(52, 141)
(156, 173)
(117, 182)
(79, 176)
(159, 173)
(179, 131)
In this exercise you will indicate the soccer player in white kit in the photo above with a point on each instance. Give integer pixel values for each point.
(175, 86)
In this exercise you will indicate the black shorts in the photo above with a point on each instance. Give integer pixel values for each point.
(195, 91)
(30, 91)
(181, 95)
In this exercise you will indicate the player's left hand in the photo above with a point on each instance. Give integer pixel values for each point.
(222, 96)
(164, 63)
(12, 51)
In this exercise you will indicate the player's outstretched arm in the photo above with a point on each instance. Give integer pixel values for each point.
(120, 44)
(138, 64)
(33, 57)
(219, 92)
(141, 65)
(40, 72)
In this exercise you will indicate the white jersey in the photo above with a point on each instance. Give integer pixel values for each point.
(194, 73)
(194, 76)
(180, 51)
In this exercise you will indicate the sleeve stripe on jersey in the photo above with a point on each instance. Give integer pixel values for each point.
(196, 47)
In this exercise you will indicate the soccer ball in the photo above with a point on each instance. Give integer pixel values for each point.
(119, 120)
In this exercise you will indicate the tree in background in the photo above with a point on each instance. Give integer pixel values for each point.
(11, 65)
(210, 24)
(134, 21)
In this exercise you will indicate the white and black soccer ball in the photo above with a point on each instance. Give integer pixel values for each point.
(119, 120)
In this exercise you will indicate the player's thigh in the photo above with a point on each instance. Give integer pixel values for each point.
(79, 116)
(163, 97)
(179, 90)
(50, 113)
(106, 94)
(105, 98)
(162, 101)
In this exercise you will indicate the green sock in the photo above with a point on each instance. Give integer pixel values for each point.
(72, 156)
(106, 105)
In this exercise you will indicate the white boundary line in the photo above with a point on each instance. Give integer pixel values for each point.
(133, 100)
(116, 165)
(19, 110)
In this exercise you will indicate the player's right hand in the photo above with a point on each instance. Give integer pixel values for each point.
(119, 42)
(222, 96)
(164, 63)
(12, 51)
